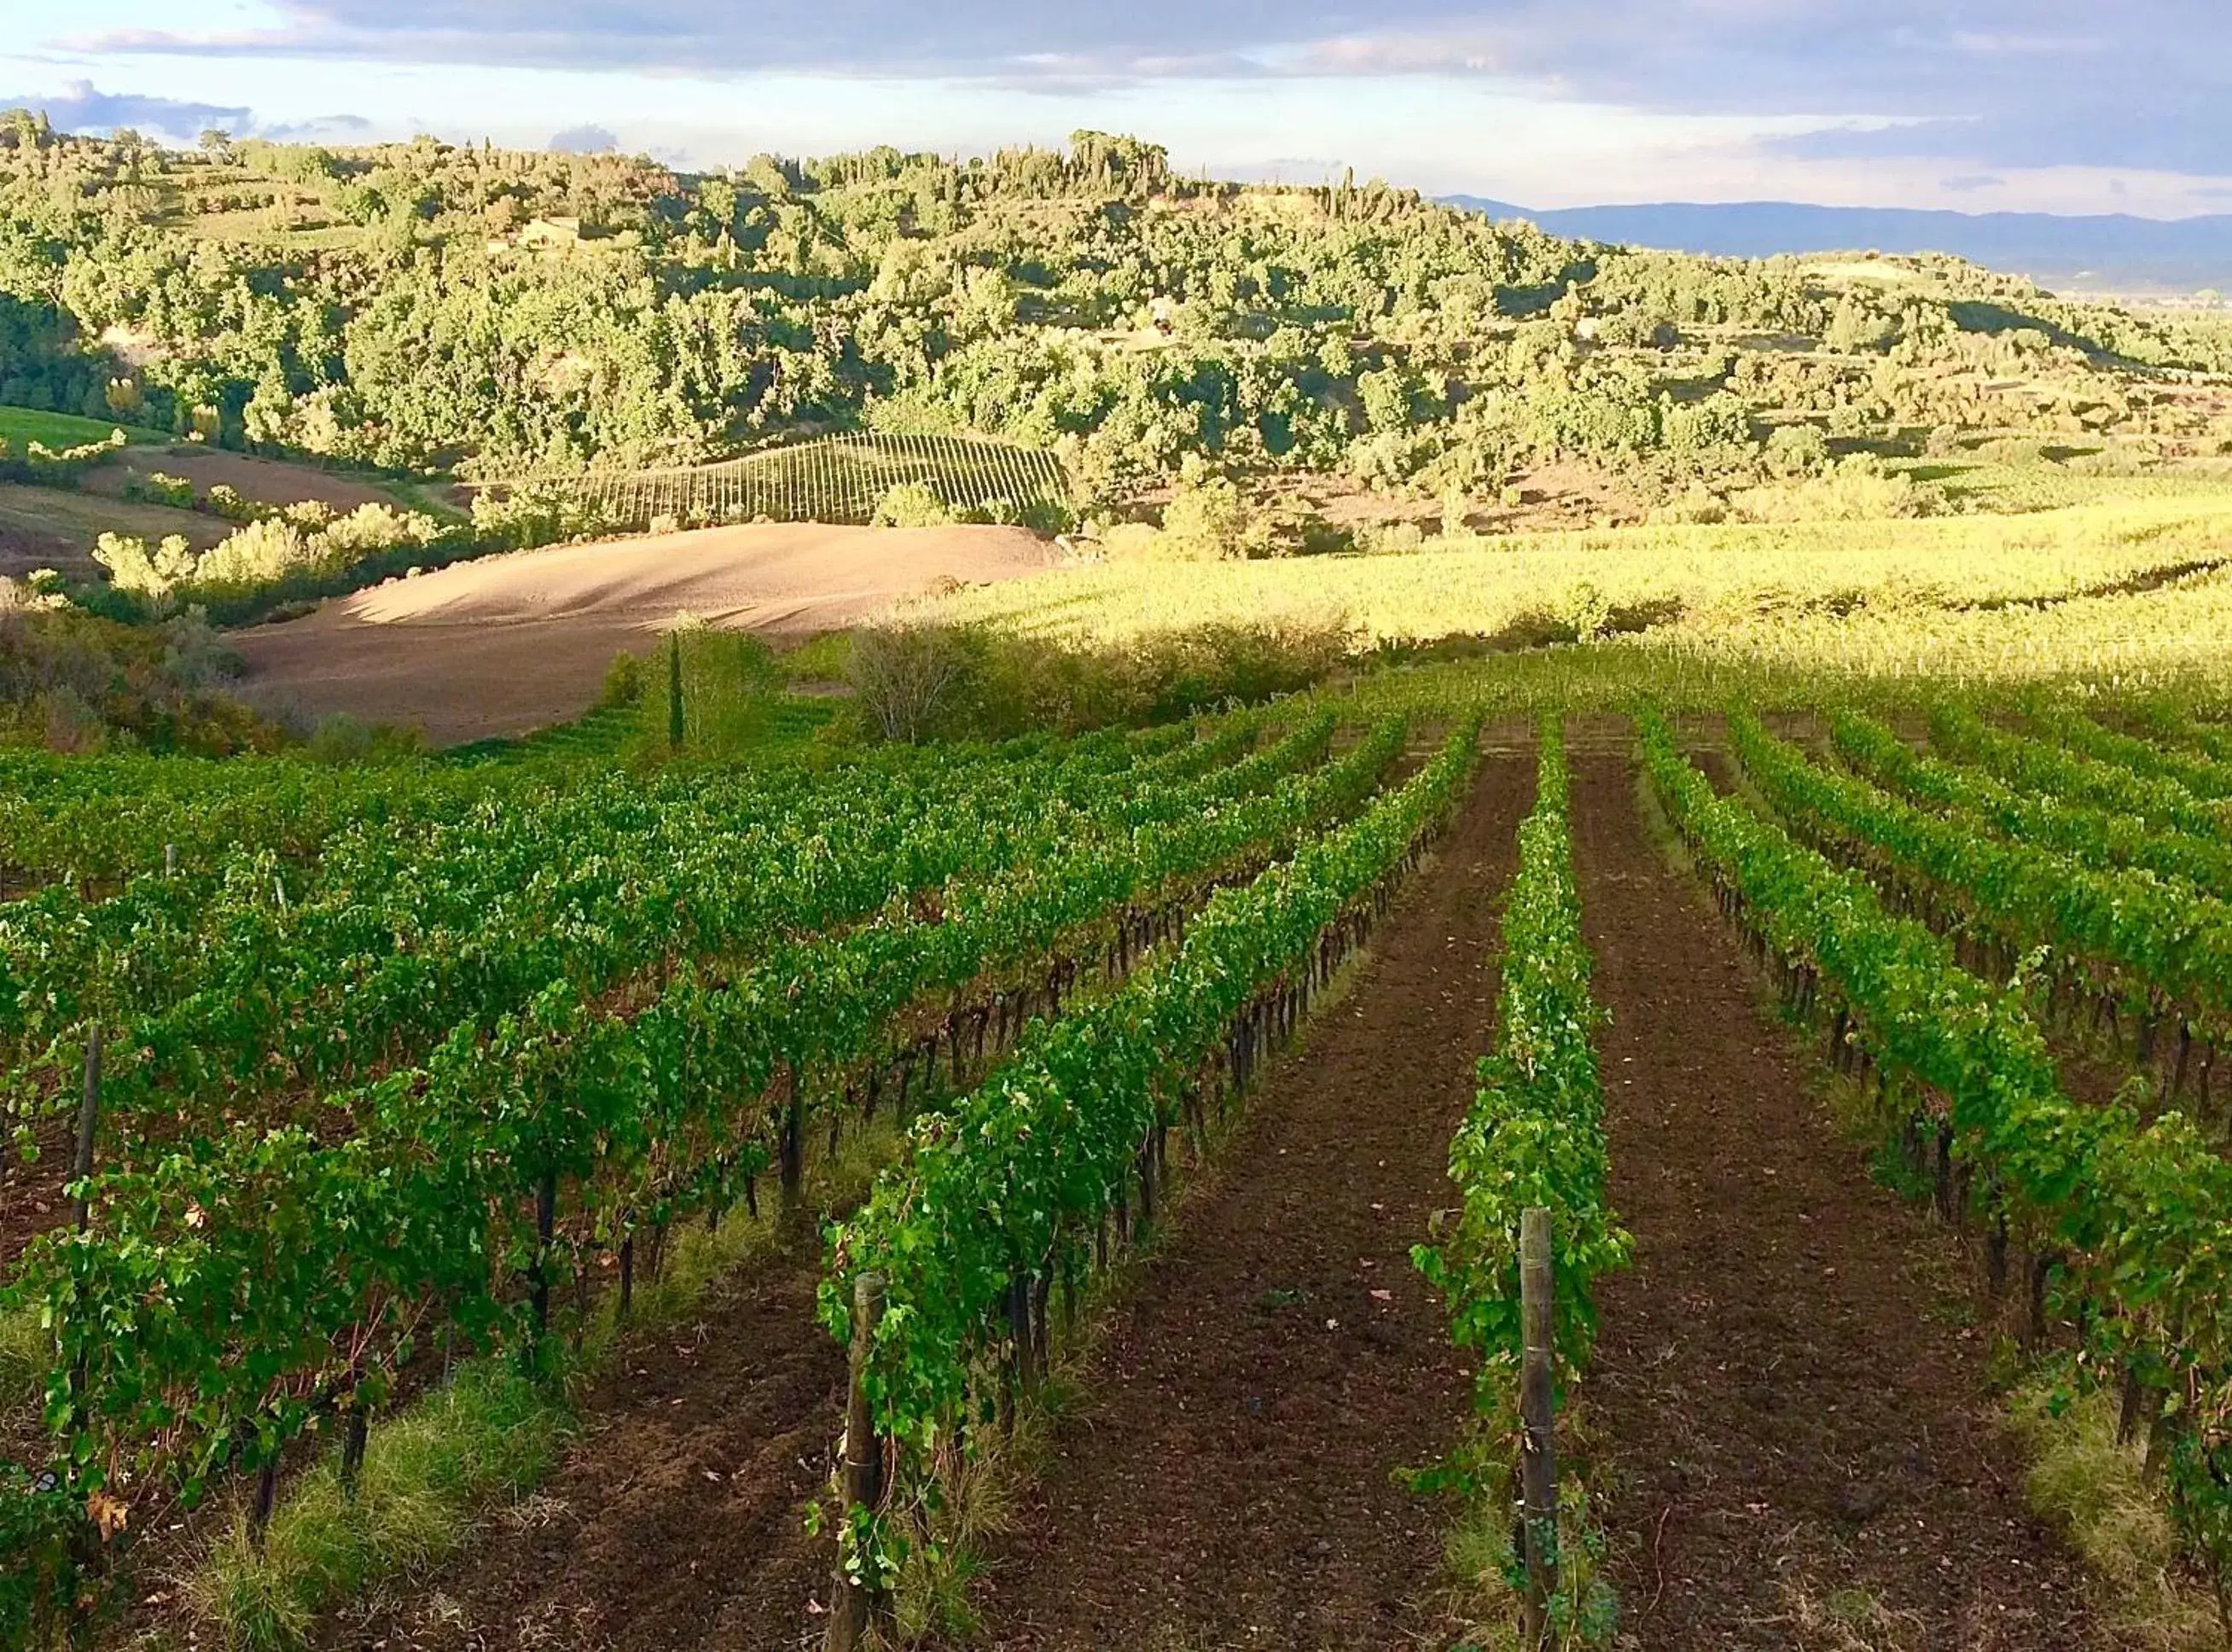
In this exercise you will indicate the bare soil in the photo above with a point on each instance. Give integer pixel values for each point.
(264, 480)
(1790, 1405)
(678, 1520)
(57, 528)
(1560, 494)
(508, 644)
(1230, 1479)
(31, 1197)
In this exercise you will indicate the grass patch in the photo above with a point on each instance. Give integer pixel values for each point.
(826, 658)
(487, 1436)
(427, 498)
(480, 1442)
(1487, 1574)
(2094, 1491)
(26, 1356)
(1850, 1619)
(21, 426)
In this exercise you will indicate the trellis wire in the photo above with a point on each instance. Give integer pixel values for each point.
(837, 479)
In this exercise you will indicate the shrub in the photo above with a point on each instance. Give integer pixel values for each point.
(132, 567)
(224, 500)
(371, 528)
(910, 504)
(262, 553)
(1797, 449)
(344, 740)
(156, 488)
(528, 517)
(1131, 542)
(1048, 516)
(1858, 488)
(1392, 539)
(624, 680)
(1695, 504)
(1207, 521)
(195, 654)
(904, 675)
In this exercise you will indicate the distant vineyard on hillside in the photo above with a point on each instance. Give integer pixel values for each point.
(838, 480)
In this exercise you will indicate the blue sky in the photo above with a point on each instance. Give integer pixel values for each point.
(2046, 105)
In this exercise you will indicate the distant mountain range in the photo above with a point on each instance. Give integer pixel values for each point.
(2103, 253)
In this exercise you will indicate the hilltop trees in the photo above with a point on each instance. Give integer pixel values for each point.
(430, 304)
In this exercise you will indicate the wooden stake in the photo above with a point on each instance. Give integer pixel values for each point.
(1019, 1334)
(352, 1445)
(862, 1484)
(88, 1120)
(1538, 1416)
(546, 1220)
(267, 1498)
(794, 1145)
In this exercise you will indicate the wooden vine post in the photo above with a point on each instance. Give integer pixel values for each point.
(862, 1485)
(1538, 1402)
(674, 689)
(88, 1120)
(792, 1147)
(85, 1544)
(546, 1220)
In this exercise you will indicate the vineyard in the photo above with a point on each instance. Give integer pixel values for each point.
(328, 1090)
(847, 480)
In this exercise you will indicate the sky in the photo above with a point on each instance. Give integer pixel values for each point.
(2063, 106)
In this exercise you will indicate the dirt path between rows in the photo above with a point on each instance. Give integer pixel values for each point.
(1228, 1480)
(676, 1521)
(1789, 1404)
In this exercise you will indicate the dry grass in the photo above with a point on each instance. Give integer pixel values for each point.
(427, 1473)
(2093, 1490)
(1714, 575)
(471, 1450)
(1848, 1619)
(1481, 1601)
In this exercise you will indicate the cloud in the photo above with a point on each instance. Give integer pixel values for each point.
(583, 140)
(1968, 182)
(342, 128)
(2141, 84)
(82, 108)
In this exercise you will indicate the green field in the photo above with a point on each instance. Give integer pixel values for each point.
(20, 426)
(2134, 585)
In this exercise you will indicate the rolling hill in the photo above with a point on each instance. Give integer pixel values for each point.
(2116, 253)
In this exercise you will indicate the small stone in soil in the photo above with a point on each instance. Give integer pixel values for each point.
(1859, 1501)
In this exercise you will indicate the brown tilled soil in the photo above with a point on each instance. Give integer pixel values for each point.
(31, 1197)
(1269, 1439)
(265, 480)
(57, 528)
(508, 644)
(1789, 1401)
(1229, 1479)
(678, 1520)
(1789, 1422)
